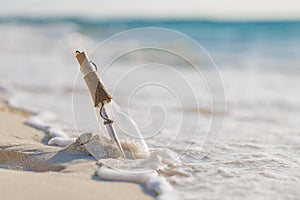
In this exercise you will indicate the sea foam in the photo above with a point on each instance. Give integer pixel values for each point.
(144, 171)
(151, 180)
(40, 120)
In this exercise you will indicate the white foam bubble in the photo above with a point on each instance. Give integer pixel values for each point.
(151, 180)
(61, 142)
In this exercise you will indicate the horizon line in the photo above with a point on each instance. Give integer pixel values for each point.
(149, 19)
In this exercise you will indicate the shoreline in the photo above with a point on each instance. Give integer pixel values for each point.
(31, 170)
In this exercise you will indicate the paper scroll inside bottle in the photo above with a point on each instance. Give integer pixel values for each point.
(95, 85)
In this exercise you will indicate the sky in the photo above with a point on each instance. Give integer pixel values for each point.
(217, 9)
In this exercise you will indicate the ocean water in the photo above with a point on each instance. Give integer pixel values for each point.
(249, 105)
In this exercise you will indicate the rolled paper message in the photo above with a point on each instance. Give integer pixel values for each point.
(95, 85)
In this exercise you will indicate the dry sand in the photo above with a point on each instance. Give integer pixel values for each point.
(31, 170)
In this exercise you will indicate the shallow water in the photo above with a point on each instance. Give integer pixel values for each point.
(257, 155)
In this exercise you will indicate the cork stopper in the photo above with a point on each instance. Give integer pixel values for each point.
(95, 85)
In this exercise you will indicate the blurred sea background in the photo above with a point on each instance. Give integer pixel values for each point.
(258, 153)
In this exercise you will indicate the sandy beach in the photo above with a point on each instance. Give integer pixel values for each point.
(30, 169)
